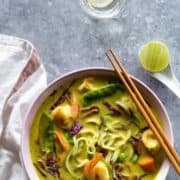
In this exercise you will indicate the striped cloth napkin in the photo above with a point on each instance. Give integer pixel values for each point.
(22, 77)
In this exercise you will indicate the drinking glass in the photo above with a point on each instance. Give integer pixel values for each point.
(102, 8)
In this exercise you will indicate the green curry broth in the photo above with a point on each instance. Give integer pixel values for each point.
(36, 152)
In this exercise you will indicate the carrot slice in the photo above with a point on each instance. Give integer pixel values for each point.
(90, 165)
(147, 163)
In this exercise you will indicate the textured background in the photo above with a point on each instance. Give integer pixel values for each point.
(66, 39)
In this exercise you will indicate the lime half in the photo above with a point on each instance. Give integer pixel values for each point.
(154, 56)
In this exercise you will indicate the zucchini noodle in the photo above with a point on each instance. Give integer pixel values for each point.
(115, 155)
(112, 156)
(113, 141)
(93, 120)
(73, 168)
(108, 157)
(85, 142)
(113, 124)
(79, 144)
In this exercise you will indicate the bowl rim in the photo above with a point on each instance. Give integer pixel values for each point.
(24, 149)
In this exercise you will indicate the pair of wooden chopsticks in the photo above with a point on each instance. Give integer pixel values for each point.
(145, 110)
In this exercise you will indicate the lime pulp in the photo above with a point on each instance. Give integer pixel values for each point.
(154, 56)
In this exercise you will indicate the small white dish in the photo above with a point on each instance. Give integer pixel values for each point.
(168, 78)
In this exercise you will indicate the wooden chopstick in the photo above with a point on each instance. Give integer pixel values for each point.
(143, 103)
(146, 107)
(145, 111)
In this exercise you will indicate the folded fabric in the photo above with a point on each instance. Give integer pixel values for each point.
(22, 78)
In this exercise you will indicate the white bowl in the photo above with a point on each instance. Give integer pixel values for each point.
(146, 91)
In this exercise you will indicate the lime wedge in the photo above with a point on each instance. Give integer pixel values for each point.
(100, 3)
(154, 56)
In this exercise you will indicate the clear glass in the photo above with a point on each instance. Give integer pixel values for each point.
(102, 8)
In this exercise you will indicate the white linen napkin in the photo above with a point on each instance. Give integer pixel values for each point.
(22, 77)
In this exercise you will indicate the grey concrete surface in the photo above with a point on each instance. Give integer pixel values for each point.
(66, 39)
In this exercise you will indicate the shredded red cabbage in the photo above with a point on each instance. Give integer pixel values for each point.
(50, 161)
(112, 108)
(75, 129)
(62, 97)
(52, 166)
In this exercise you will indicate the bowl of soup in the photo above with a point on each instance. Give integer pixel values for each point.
(85, 125)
